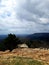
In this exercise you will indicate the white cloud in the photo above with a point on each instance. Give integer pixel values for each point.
(24, 16)
(44, 20)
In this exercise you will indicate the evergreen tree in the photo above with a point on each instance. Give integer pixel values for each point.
(11, 42)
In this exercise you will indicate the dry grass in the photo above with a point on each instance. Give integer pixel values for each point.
(41, 55)
(13, 60)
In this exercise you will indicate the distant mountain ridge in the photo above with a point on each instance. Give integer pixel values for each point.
(3, 36)
(35, 36)
(39, 36)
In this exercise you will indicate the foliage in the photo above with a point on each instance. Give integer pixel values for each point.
(2, 47)
(37, 44)
(10, 42)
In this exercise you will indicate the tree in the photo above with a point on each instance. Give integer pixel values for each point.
(29, 43)
(11, 42)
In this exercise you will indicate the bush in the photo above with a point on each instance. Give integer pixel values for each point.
(11, 42)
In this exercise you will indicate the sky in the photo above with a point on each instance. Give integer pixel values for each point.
(24, 16)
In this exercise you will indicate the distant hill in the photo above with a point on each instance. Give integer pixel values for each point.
(35, 36)
(39, 36)
(36, 40)
(2, 37)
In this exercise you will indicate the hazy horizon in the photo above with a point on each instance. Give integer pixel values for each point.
(27, 34)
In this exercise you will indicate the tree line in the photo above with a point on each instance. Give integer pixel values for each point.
(11, 42)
